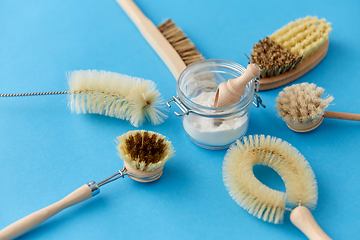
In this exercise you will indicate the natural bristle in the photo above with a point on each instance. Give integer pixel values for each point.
(144, 150)
(183, 45)
(287, 47)
(301, 103)
(272, 58)
(115, 95)
(258, 199)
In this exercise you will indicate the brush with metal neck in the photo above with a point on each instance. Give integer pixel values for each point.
(144, 154)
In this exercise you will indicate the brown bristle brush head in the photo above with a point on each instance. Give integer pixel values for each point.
(144, 152)
(180, 42)
(272, 58)
(260, 200)
(302, 103)
(291, 51)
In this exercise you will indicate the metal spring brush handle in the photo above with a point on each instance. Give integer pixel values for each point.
(81, 194)
(33, 94)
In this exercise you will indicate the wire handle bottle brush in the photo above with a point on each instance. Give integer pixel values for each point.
(266, 203)
(144, 154)
(303, 108)
(111, 94)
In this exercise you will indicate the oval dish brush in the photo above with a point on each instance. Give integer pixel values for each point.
(303, 109)
(291, 51)
(266, 203)
(111, 94)
(144, 154)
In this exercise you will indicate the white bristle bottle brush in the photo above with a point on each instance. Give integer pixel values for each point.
(111, 94)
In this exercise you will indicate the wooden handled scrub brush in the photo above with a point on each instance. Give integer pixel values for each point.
(266, 203)
(111, 94)
(303, 107)
(170, 43)
(291, 51)
(144, 154)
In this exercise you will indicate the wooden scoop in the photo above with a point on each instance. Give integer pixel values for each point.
(230, 92)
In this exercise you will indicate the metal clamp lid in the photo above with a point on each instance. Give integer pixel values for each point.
(257, 99)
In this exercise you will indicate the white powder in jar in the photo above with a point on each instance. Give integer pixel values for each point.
(203, 130)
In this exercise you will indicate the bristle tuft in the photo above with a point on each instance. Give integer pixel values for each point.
(115, 95)
(144, 150)
(183, 45)
(258, 199)
(302, 102)
(272, 58)
(287, 47)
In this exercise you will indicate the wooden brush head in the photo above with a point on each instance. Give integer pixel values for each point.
(302, 103)
(144, 152)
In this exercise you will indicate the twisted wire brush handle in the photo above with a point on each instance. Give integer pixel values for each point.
(33, 94)
(302, 218)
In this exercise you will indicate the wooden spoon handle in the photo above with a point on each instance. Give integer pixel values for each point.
(31, 221)
(302, 218)
(154, 37)
(341, 115)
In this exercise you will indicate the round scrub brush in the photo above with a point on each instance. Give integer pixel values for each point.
(266, 203)
(291, 51)
(111, 94)
(303, 108)
(144, 154)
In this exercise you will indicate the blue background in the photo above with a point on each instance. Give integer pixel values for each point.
(46, 152)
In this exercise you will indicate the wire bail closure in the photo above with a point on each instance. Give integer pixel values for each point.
(257, 99)
(185, 110)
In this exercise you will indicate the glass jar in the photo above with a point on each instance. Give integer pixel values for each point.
(207, 126)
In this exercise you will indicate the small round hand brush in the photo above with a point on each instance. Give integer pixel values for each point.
(144, 154)
(266, 203)
(302, 107)
(111, 94)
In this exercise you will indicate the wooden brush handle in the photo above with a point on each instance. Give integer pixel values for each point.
(154, 37)
(302, 218)
(29, 222)
(341, 115)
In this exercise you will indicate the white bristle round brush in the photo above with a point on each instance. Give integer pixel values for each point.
(303, 107)
(111, 94)
(144, 154)
(266, 203)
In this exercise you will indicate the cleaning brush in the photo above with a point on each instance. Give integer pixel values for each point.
(266, 203)
(111, 94)
(144, 154)
(291, 51)
(303, 107)
(171, 44)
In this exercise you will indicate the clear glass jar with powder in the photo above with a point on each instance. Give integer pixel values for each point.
(206, 126)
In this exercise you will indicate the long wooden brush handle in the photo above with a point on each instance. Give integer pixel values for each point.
(342, 115)
(31, 221)
(154, 37)
(302, 218)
